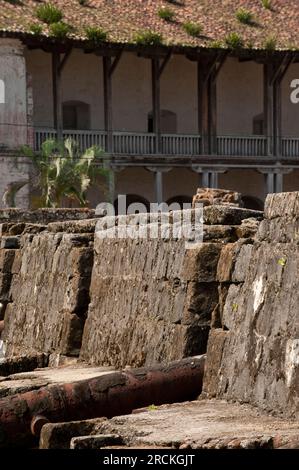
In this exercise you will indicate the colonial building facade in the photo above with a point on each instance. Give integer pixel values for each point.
(170, 119)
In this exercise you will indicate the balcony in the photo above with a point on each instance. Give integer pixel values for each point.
(139, 144)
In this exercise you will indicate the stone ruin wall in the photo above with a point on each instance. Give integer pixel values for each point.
(253, 355)
(145, 301)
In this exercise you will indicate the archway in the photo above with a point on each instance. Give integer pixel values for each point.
(76, 115)
(177, 202)
(168, 122)
(132, 204)
(251, 202)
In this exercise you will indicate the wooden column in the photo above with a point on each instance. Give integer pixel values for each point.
(203, 108)
(108, 103)
(156, 103)
(274, 73)
(207, 72)
(57, 95)
(109, 65)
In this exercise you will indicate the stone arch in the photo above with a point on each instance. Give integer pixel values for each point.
(252, 202)
(168, 122)
(258, 124)
(2, 92)
(179, 201)
(133, 201)
(76, 115)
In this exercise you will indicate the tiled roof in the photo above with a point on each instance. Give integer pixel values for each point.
(122, 19)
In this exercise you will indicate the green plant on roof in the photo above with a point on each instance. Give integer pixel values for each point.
(216, 44)
(234, 41)
(244, 16)
(60, 30)
(49, 13)
(270, 43)
(96, 36)
(166, 14)
(148, 38)
(36, 28)
(267, 4)
(193, 29)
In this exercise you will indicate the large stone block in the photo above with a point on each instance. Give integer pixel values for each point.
(49, 294)
(258, 360)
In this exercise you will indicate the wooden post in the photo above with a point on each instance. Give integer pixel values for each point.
(108, 103)
(273, 76)
(203, 108)
(212, 99)
(57, 95)
(268, 108)
(207, 72)
(156, 103)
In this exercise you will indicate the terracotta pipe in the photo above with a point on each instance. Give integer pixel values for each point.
(113, 394)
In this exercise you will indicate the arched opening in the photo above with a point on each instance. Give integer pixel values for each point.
(251, 202)
(168, 122)
(76, 115)
(2, 92)
(258, 124)
(132, 204)
(177, 202)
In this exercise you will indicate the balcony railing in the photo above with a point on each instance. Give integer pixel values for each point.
(252, 146)
(133, 143)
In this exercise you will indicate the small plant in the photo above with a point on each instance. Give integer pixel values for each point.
(216, 45)
(235, 307)
(282, 262)
(49, 13)
(244, 16)
(60, 30)
(152, 408)
(193, 29)
(148, 38)
(166, 14)
(270, 43)
(267, 4)
(95, 35)
(234, 41)
(36, 28)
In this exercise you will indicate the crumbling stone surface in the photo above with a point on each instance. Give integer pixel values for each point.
(152, 300)
(29, 362)
(49, 293)
(209, 196)
(207, 424)
(253, 356)
(44, 216)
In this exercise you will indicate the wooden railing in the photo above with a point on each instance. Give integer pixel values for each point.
(290, 147)
(252, 146)
(130, 143)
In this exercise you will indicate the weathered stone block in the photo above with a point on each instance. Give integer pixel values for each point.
(200, 264)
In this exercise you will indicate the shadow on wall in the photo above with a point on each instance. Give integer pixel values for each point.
(251, 202)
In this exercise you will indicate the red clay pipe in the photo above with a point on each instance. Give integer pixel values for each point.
(110, 395)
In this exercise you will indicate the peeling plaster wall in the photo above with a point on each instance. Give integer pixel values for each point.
(13, 111)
